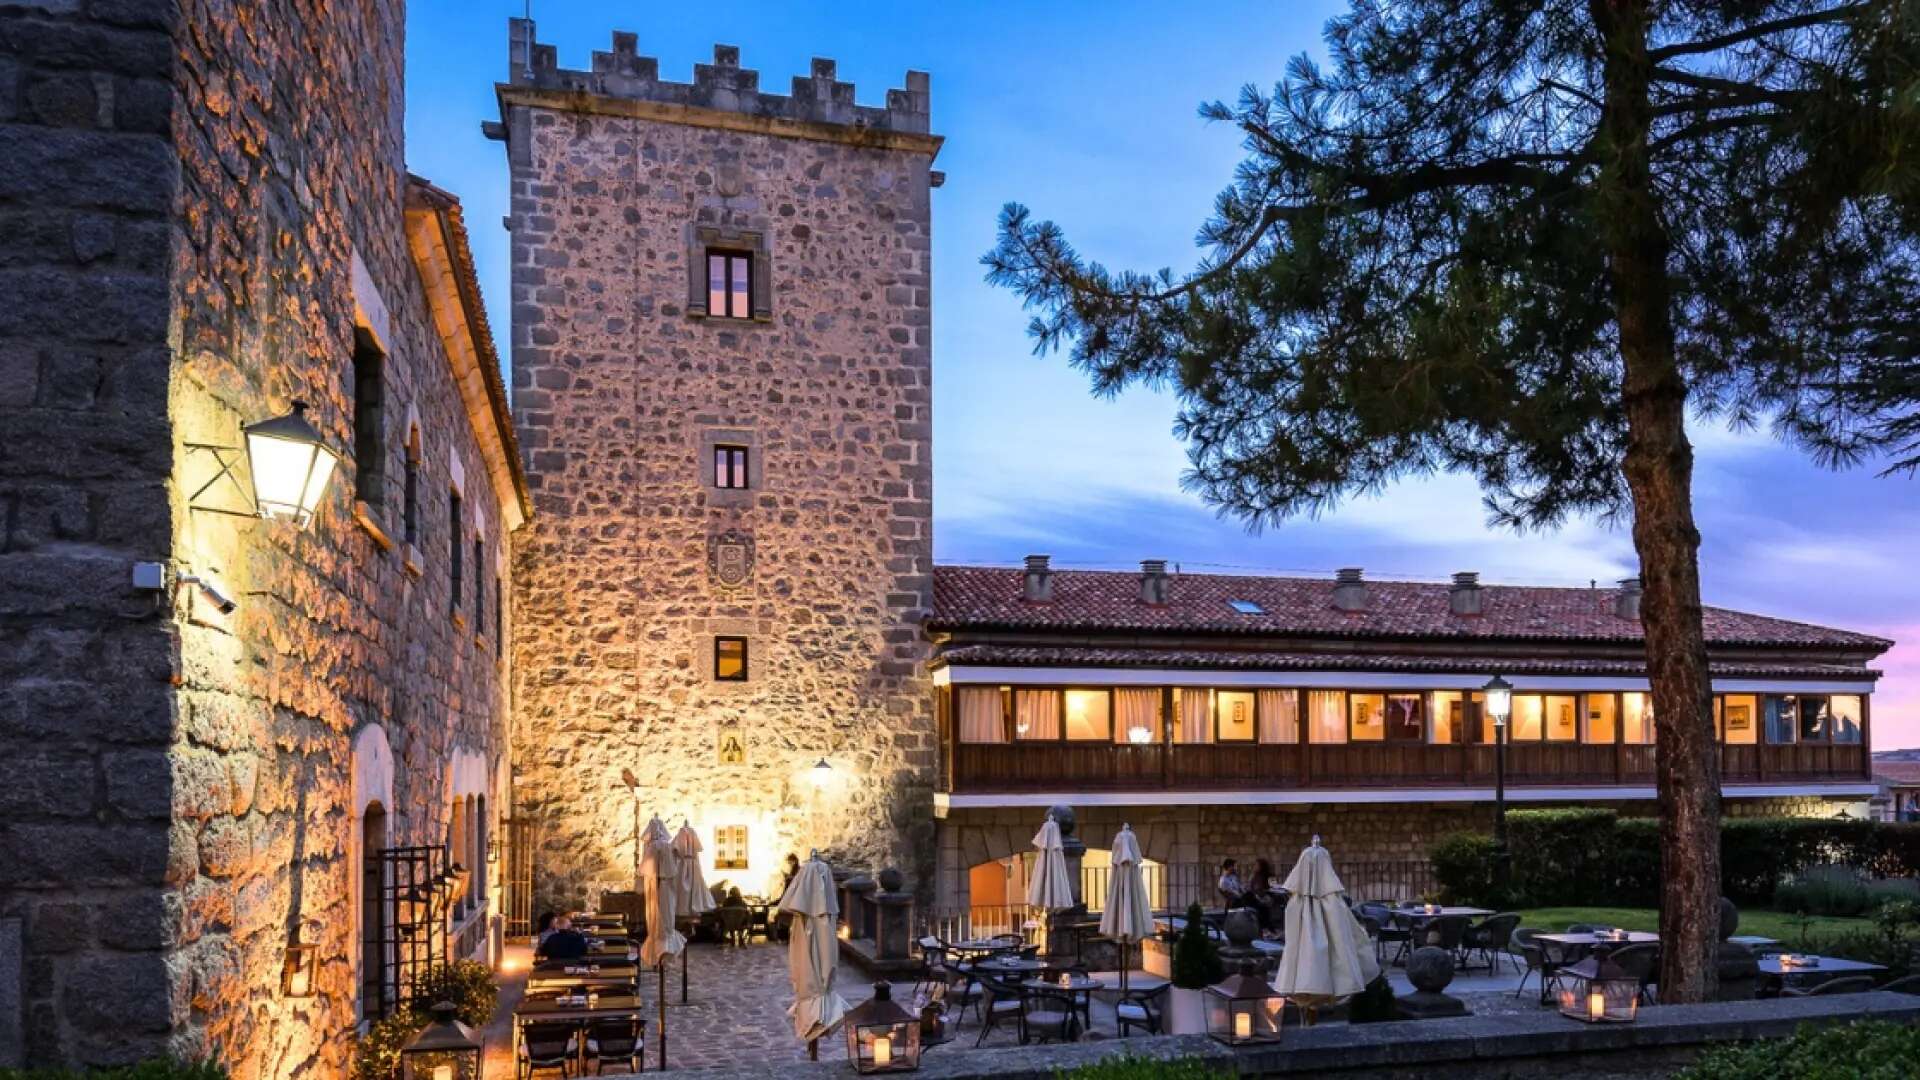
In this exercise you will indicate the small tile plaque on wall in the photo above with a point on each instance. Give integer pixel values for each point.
(733, 747)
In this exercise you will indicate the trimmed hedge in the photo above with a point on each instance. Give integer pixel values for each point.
(1132, 1067)
(1872, 1050)
(1575, 856)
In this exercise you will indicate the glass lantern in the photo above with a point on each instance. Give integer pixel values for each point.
(290, 464)
(1596, 990)
(445, 1049)
(297, 969)
(882, 1036)
(1243, 1010)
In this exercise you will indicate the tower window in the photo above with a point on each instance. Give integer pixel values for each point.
(369, 401)
(479, 586)
(729, 284)
(410, 505)
(730, 847)
(453, 527)
(730, 467)
(730, 659)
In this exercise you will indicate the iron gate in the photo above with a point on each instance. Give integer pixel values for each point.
(518, 877)
(416, 888)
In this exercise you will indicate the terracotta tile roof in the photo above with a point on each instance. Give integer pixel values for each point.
(1250, 660)
(1899, 773)
(1101, 600)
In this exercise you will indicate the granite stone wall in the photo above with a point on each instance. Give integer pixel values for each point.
(635, 560)
(201, 203)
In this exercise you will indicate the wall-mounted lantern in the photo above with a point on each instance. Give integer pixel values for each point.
(297, 968)
(289, 462)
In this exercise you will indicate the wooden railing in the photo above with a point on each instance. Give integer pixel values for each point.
(1068, 766)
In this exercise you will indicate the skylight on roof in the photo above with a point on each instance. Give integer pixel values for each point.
(1246, 607)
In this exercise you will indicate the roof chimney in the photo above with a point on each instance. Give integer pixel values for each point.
(1465, 596)
(1153, 582)
(1039, 588)
(1349, 591)
(1626, 603)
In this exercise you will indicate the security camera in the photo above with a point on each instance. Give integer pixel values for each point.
(212, 592)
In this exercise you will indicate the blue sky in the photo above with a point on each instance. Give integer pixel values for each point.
(1086, 113)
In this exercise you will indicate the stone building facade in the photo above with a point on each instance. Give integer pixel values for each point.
(204, 218)
(744, 468)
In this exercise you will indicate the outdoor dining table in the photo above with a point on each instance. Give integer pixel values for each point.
(561, 1011)
(1575, 946)
(981, 947)
(555, 975)
(1753, 941)
(1013, 965)
(1422, 913)
(587, 924)
(1776, 975)
(1077, 988)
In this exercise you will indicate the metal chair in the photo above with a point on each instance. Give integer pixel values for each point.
(1446, 932)
(1140, 1009)
(1908, 985)
(1490, 938)
(546, 1046)
(1001, 1001)
(1047, 1015)
(1533, 957)
(1852, 984)
(735, 925)
(1642, 962)
(619, 1041)
(1391, 930)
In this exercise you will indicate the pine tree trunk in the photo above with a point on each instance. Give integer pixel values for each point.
(1659, 473)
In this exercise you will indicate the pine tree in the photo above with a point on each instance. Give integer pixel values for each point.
(1523, 240)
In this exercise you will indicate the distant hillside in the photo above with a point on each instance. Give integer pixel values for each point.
(1912, 754)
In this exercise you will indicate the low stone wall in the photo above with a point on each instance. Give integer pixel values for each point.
(1542, 1045)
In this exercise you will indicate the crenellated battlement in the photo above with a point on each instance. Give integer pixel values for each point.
(724, 85)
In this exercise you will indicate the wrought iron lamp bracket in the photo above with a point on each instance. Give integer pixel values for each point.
(228, 458)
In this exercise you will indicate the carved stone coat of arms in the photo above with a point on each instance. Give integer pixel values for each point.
(730, 557)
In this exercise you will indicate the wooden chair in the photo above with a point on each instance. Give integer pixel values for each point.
(546, 1046)
(619, 1041)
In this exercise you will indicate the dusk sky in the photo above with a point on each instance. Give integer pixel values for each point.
(1086, 113)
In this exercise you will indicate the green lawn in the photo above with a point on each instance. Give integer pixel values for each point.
(1773, 924)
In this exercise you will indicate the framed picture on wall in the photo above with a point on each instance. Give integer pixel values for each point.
(1739, 717)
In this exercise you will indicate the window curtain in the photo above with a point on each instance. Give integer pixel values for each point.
(1036, 714)
(1783, 715)
(979, 709)
(1279, 716)
(1136, 708)
(1326, 716)
(1196, 716)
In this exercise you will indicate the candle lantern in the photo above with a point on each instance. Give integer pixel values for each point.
(882, 1036)
(1596, 990)
(297, 969)
(1243, 1010)
(445, 1049)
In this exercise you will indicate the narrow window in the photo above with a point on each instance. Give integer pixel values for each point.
(730, 467)
(369, 398)
(410, 506)
(729, 284)
(453, 526)
(499, 622)
(730, 659)
(479, 587)
(730, 847)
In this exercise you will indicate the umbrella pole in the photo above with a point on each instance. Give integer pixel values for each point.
(662, 969)
(683, 976)
(813, 1049)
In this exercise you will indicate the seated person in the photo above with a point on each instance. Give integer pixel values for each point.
(562, 943)
(543, 929)
(1232, 893)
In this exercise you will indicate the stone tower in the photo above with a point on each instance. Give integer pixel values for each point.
(722, 382)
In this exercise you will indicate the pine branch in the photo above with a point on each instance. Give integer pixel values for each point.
(1757, 31)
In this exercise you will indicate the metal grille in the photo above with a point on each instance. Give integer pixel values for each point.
(415, 889)
(518, 877)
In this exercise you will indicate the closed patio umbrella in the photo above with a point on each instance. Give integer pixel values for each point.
(1049, 889)
(660, 877)
(1128, 917)
(694, 897)
(1328, 957)
(813, 951)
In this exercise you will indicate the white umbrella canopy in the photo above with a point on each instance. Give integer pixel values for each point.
(813, 952)
(1328, 957)
(660, 877)
(1129, 913)
(1049, 889)
(694, 895)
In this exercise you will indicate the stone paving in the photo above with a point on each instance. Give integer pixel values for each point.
(735, 1018)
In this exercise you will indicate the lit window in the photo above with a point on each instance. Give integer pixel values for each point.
(1525, 723)
(1246, 607)
(1562, 718)
(730, 659)
(1236, 715)
(729, 284)
(1844, 711)
(730, 466)
(1603, 718)
(1088, 714)
(1636, 716)
(1369, 717)
(730, 847)
(454, 519)
(1406, 717)
(1449, 717)
(1739, 719)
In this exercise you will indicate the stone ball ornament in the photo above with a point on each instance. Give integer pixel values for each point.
(1063, 816)
(891, 879)
(1241, 927)
(1430, 968)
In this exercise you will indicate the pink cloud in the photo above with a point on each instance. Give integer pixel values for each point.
(1896, 702)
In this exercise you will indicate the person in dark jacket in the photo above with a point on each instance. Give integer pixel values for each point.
(563, 943)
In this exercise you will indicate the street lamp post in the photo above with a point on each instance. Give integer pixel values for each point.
(1499, 693)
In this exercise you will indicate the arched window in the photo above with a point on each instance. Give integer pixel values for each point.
(373, 919)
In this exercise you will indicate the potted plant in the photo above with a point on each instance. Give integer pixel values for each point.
(1196, 966)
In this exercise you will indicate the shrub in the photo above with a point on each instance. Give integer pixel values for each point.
(1196, 959)
(1373, 1005)
(1863, 1051)
(466, 983)
(1132, 1067)
(377, 1055)
(157, 1069)
(1824, 890)
(1463, 865)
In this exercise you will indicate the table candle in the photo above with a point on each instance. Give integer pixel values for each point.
(1243, 1025)
(443, 1072)
(1596, 1005)
(882, 1051)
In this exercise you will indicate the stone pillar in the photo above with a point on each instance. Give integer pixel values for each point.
(893, 937)
(857, 906)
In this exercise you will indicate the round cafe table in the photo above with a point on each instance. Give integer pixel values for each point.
(1011, 965)
(1078, 988)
